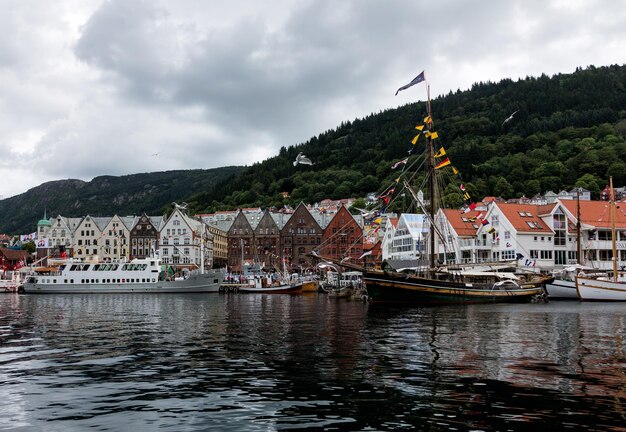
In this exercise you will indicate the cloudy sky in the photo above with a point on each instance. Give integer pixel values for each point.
(94, 87)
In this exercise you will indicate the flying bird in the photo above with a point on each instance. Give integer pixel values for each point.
(302, 159)
(509, 118)
(367, 213)
(156, 154)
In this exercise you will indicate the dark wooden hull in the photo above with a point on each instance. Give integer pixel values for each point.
(398, 288)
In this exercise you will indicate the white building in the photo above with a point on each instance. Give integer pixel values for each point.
(408, 239)
(185, 240)
(86, 240)
(115, 239)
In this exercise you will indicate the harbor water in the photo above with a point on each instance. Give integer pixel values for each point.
(235, 362)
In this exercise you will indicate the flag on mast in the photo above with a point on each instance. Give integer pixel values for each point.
(418, 79)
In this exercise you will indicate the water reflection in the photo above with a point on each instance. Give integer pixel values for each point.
(254, 362)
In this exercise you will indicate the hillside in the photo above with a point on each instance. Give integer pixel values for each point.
(106, 196)
(569, 130)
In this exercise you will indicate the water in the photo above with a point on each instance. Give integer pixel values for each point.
(264, 363)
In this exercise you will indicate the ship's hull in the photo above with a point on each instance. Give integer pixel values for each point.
(207, 283)
(600, 290)
(391, 288)
(281, 289)
(562, 289)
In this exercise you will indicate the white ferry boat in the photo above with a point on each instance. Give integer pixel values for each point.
(136, 276)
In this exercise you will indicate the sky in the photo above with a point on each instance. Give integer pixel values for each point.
(114, 87)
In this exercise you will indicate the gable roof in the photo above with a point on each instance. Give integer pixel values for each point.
(520, 214)
(14, 254)
(596, 213)
(460, 222)
(415, 224)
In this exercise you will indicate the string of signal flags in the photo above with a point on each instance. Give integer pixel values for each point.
(441, 158)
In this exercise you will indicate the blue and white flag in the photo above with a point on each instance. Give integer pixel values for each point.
(418, 79)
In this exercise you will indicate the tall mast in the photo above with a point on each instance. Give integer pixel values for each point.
(431, 183)
(612, 198)
(579, 249)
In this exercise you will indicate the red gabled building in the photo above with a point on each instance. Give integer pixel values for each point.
(343, 237)
(13, 259)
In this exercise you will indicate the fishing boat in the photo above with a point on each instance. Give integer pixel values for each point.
(137, 276)
(605, 288)
(278, 282)
(266, 285)
(433, 282)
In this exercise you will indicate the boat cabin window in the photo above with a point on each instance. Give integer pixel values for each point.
(73, 267)
(96, 267)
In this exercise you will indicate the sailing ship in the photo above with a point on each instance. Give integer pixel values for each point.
(609, 288)
(433, 283)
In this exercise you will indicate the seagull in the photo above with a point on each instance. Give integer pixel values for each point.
(509, 118)
(156, 154)
(367, 213)
(302, 159)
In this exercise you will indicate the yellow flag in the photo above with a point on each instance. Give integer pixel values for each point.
(441, 152)
(414, 140)
(434, 135)
(427, 134)
(398, 180)
(419, 127)
(378, 220)
(428, 119)
(455, 171)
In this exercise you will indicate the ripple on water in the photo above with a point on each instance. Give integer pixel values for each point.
(237, 362)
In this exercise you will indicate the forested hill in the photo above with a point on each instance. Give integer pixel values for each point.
(569, 131)
(106, 195)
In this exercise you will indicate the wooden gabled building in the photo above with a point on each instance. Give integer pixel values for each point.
(343, 237)
(240, 243)
(267, 241)
(299, 237)
(144, 236)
